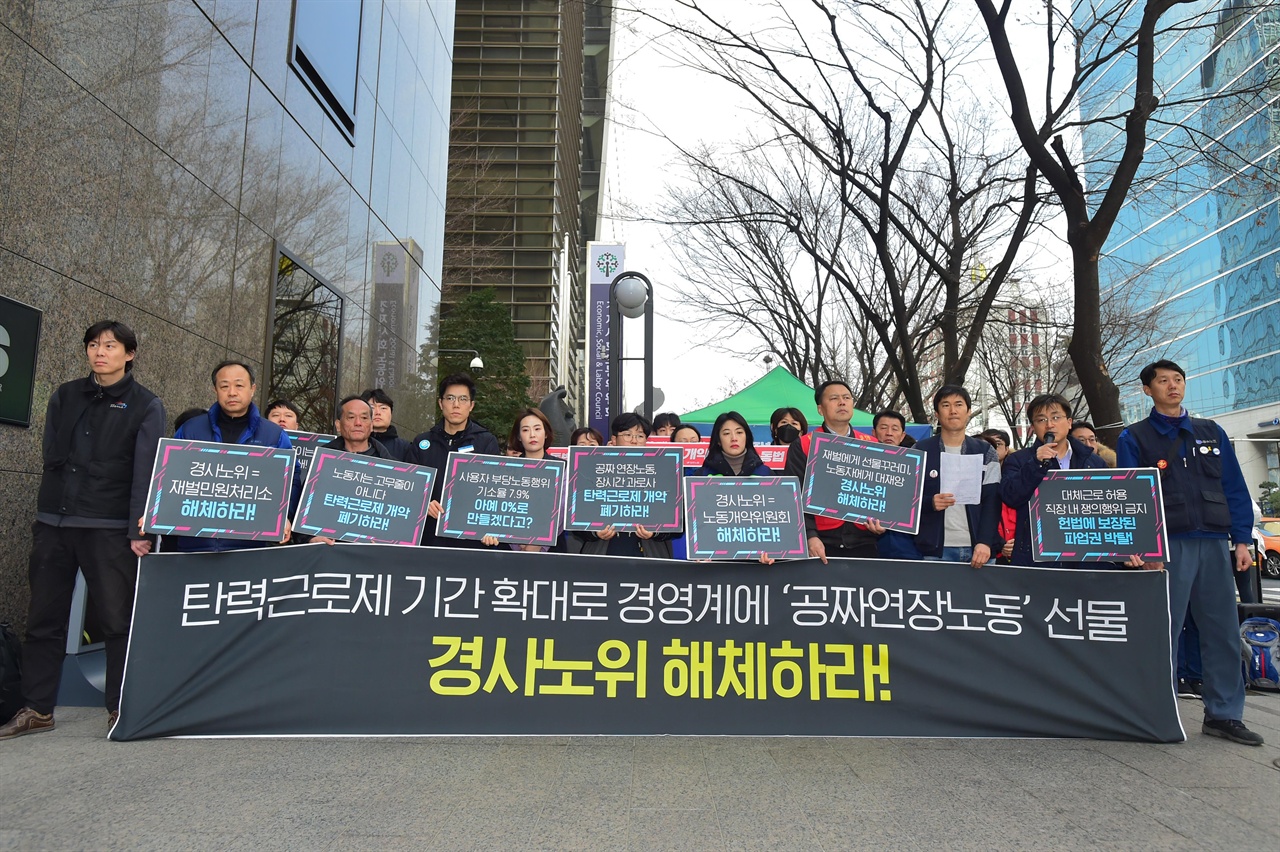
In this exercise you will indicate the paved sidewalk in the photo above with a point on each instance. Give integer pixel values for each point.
(72, 789)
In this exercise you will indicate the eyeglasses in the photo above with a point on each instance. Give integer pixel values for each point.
(1092, 440)
(1042, 421)
(451, 399)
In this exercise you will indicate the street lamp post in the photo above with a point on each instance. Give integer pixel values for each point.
(630, 295)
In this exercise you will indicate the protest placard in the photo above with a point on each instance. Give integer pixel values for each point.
(854, 480)
(513, 499)
(1099, 515)
(731, 517)
(350, 497)
(212, 490)
(625, 487)
(306, 443)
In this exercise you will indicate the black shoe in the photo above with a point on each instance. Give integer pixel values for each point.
(1231, 729)
(1188, 688)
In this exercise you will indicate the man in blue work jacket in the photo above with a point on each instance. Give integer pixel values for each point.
(1207, 506)
(233, 419)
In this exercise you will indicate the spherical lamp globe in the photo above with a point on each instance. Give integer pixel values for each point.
(631, 294)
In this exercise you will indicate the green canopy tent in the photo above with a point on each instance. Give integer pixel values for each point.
(758, 400)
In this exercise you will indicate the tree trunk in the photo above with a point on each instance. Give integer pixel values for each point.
(1100, 391)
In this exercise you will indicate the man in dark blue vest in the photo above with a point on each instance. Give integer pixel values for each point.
(100, 439)
(1207, 506)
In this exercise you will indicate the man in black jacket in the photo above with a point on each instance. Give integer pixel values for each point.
(354, 425)
(100, 439)
(384, 431)
(454, 433)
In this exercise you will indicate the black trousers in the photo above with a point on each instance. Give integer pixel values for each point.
(111, 572)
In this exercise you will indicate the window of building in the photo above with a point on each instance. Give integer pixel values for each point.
(304, 353)
(325, 54)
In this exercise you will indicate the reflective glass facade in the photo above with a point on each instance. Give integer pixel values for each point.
(170, 164)
(1197, 247)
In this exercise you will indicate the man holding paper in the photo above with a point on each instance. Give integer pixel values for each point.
(961, 511)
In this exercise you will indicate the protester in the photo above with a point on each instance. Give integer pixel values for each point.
(1207, 507)
(1084, 432)
(189, 414)
(999, 439)
(455, 432)
(586, 437)
(1052, 449)
(786, 425)
(666, 423)
(100, 439)
(1007, 530)
(529, 437)
(732, 451)
(890, 427)
(232, 419)
(627, 430)
(951, 531)
(283, 413)
(686, 434)
(829, 537)
(530, 434)
(354, 426)
(384, 431)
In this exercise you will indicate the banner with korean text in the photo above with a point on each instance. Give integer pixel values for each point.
(366, 639)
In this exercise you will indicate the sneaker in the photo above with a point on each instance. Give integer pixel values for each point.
(112, 718)
(1231, 729)
(1188, 688)
(26, 721)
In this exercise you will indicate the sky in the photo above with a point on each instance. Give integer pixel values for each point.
(641, 163)
(652, 97)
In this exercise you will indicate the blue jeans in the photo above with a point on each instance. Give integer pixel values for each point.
(1201, 582)
(952, 554)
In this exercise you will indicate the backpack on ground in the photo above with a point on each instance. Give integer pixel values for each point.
(10, 672)
(1260, 652)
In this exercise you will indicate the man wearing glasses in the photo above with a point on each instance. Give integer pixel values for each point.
(455, 432)
(1053, 449)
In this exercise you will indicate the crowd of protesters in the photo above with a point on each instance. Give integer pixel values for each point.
(101, 434)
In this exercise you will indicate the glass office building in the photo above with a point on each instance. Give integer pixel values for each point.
(1196, 249)
(261, 180)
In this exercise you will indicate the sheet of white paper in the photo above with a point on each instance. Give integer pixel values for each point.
(961, 475)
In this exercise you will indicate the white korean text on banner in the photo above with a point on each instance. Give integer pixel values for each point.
(416, 640)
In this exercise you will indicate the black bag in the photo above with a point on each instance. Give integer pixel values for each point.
(10, 672)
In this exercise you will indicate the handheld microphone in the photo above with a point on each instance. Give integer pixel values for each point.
(1049, 438)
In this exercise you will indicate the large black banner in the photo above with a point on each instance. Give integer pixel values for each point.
(377, 639)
